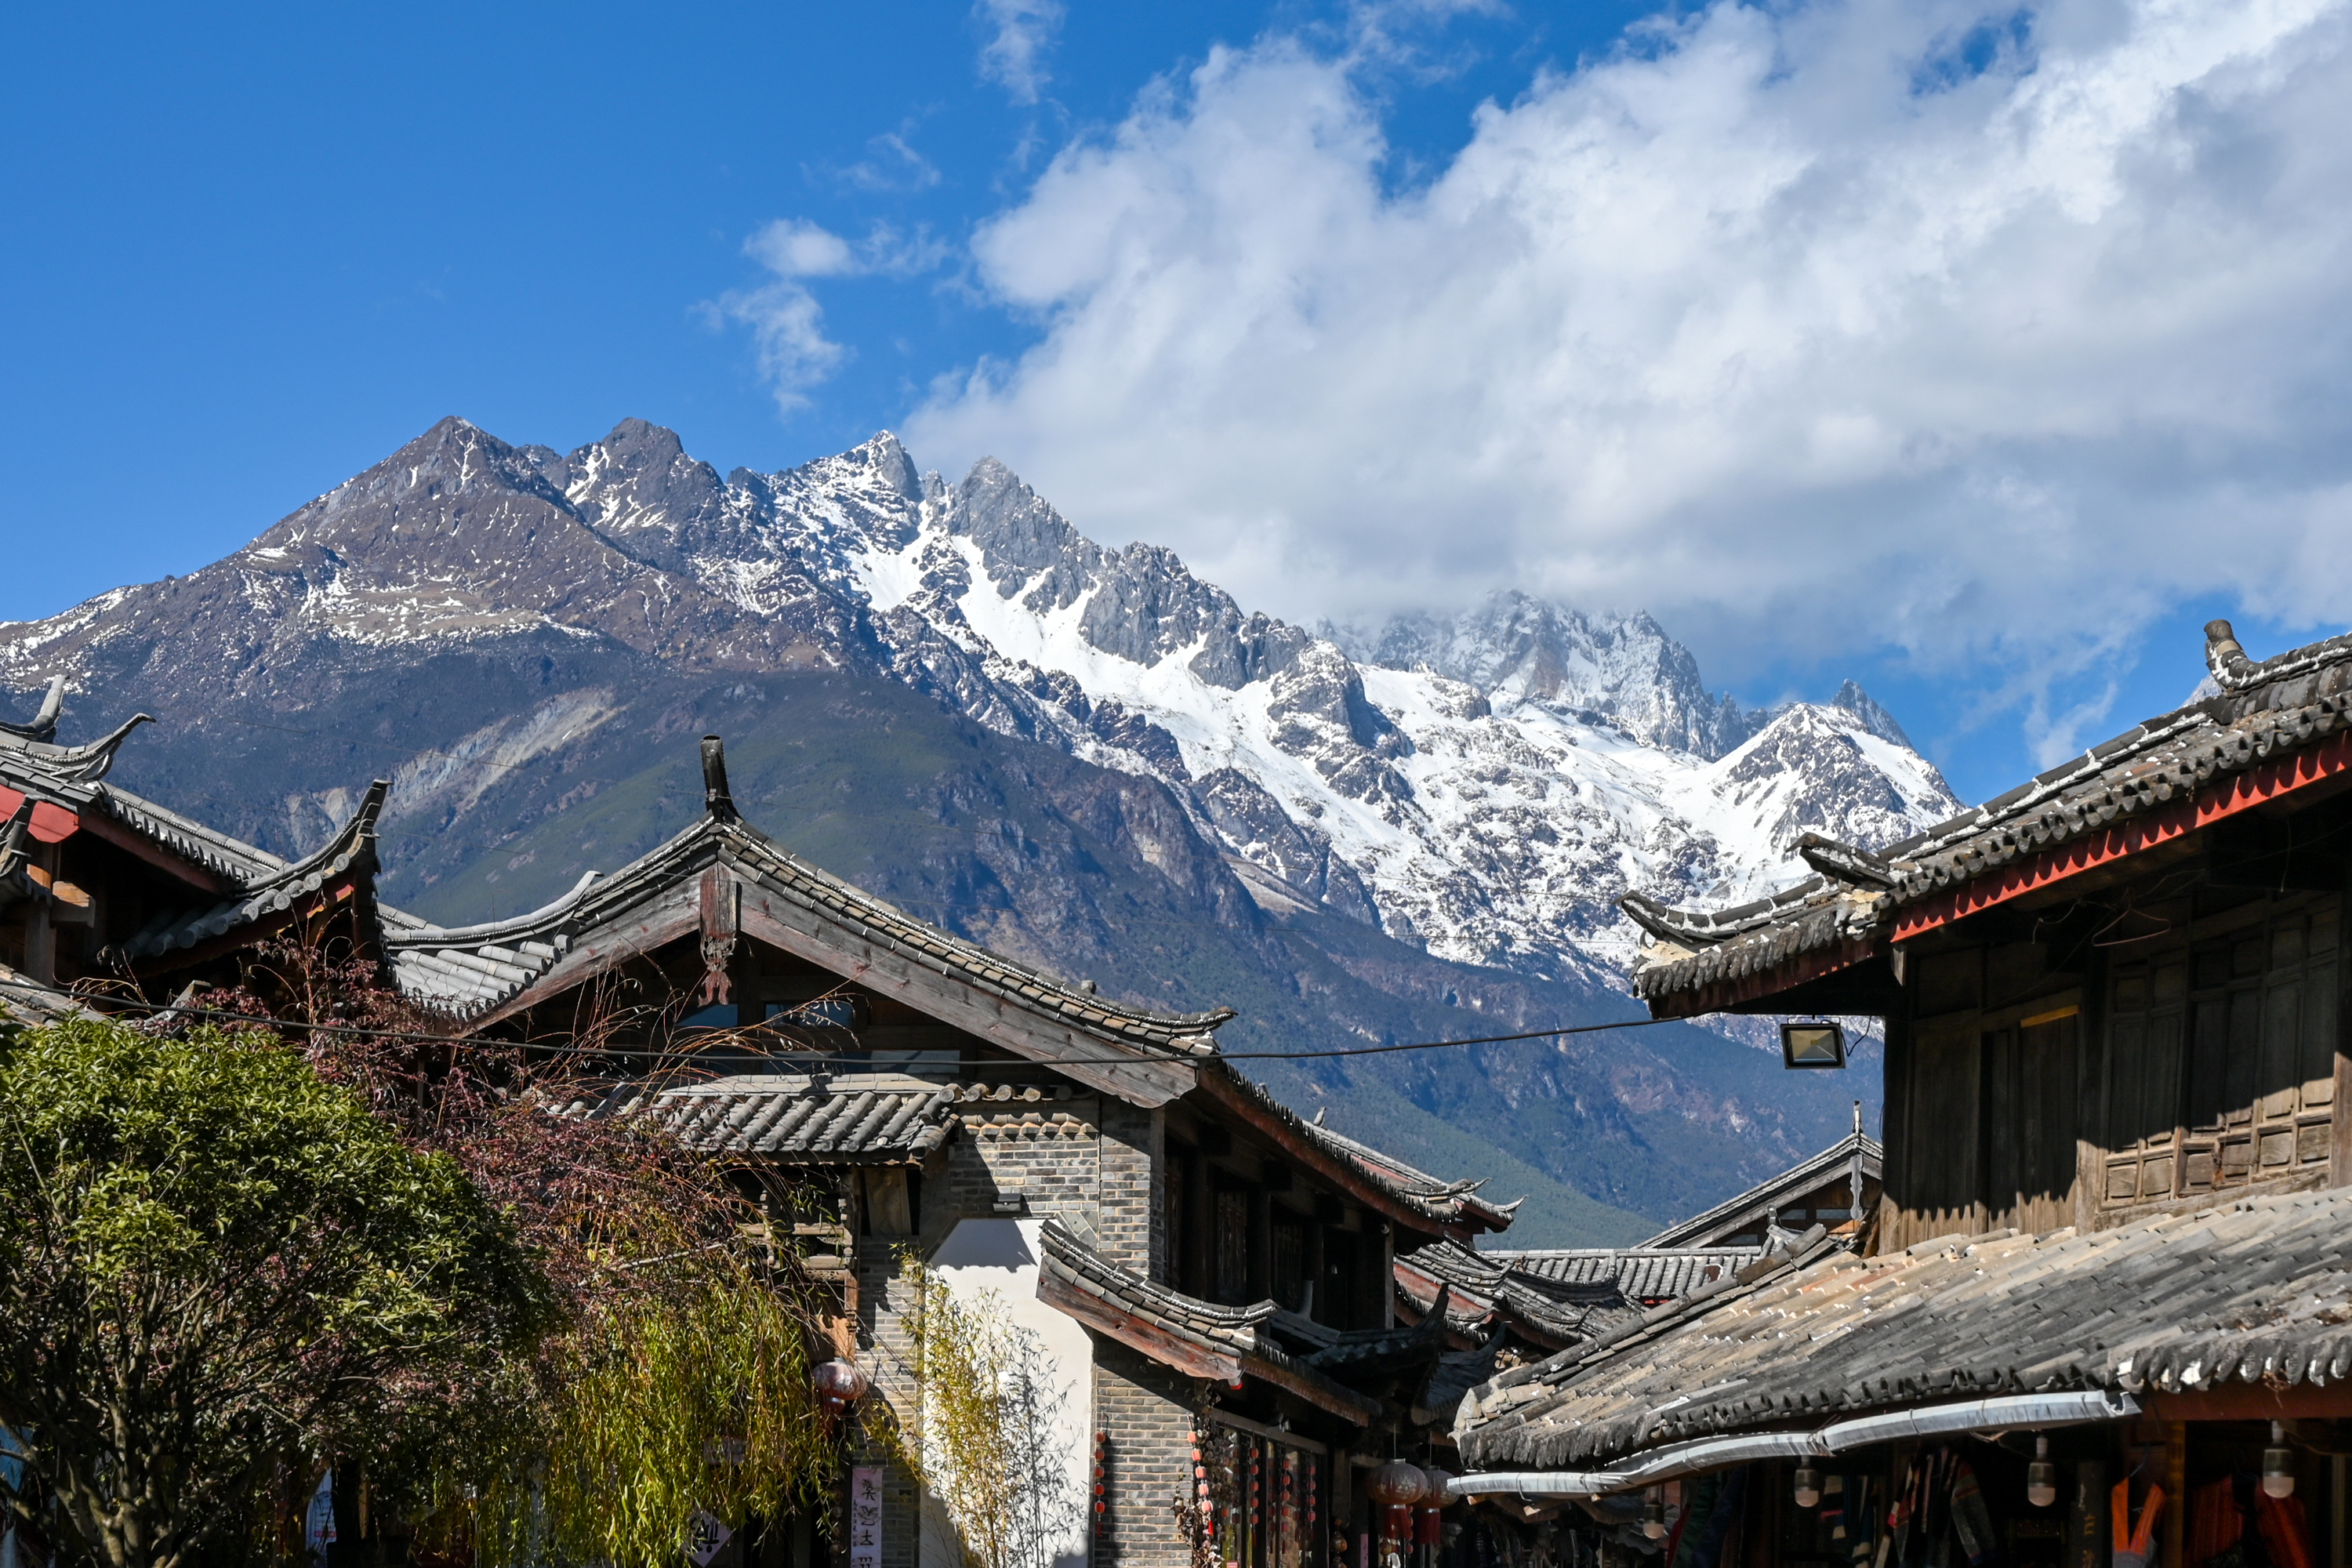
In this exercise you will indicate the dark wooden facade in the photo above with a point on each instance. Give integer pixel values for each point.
(2047, 1083)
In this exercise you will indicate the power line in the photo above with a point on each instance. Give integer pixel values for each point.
(475, 1043)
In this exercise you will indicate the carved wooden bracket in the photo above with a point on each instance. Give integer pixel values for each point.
(723, 903)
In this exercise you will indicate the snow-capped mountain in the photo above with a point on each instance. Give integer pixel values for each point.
(1490, 784)
(1084, 757)
(1483, 785)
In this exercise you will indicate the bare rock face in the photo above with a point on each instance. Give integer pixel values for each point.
(1087, 756)
(1487, 782)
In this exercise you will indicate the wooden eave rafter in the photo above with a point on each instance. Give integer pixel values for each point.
(2297, 776)
(1226, 1367)
(98, 825)
(788, 925)
(1328, 1167)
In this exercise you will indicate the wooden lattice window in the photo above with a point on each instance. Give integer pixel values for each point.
(1289, 1264)
(1233, 1245)
(2222, 1054)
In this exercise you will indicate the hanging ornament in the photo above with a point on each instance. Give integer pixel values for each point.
(2278, 1465)
(2041, 1476)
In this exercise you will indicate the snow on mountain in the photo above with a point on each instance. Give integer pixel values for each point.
(1484, 785)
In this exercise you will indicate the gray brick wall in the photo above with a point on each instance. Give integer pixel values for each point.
(1049, 1153)
(1146, 1411)
(1095, 1163)
(1134, 1220)
(882, 1298)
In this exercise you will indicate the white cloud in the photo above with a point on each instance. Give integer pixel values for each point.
(1014, 56)
(1977, 333)
(786, 321)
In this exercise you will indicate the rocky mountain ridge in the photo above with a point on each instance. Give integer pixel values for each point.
(1085, 757)
(1482, 785)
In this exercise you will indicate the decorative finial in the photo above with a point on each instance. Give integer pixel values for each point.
(2223, 656)
(716, 800)
(44, 727)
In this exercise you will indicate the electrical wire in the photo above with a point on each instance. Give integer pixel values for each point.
(472, 1042)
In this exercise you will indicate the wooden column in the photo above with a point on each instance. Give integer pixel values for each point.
(1200, 1239)
(1315, 1308)
(40, 935)
(2176, 1495)
(1890, 1234)
(1261, 1243)
(2339, 1126)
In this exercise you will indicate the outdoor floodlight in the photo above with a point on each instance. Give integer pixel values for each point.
(2278, 1464)
(1812, 1042)
(2042, 1476)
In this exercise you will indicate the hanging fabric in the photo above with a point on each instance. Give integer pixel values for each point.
(319, 1520)
(2284, 1530)
(2216, 1525)
(1862, 1521)
(1971, 1518)
(2133, 1542)
(1902, 1520)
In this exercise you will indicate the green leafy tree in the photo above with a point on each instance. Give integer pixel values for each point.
(211, 1259)
(676, 1379)
(979, 1426)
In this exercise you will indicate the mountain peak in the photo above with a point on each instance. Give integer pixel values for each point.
(644, 442)
(1875, 719)
(1514, 648)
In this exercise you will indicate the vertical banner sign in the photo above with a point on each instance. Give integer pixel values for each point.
(865, 1516)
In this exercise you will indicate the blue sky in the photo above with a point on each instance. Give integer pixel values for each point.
(1979, 351)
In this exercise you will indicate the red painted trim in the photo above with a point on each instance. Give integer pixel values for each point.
(2242, 791)
(52, 824)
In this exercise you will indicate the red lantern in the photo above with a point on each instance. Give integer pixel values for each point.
(1397, 1484)
(1436, 1497)
(839, 1385)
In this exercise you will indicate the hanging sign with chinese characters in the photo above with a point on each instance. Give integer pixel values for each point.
(707, 1537)
(865, 1516)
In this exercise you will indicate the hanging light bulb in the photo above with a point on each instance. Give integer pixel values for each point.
(1809, 1486)
(1653, 1515)
(2042, 1476)
(2278, 1465)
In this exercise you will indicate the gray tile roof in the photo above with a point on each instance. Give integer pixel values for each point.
(1259, 1339)
(2250, 1293)
(2266, 710)
(1448, 1204)
(475, 969)
(26, 1000)
(234, 883)
(463, 970)
(853, 1118)
(350, 853)
(1639, 1273)
(230, 858)
(1755, 1206)
(1485, 1291)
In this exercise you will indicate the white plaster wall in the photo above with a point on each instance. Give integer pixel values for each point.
(1000, 1256)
